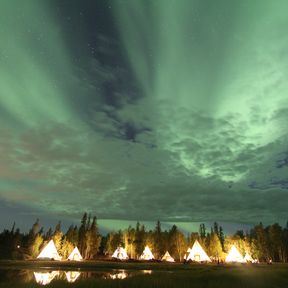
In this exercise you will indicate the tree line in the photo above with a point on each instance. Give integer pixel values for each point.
(261, 242)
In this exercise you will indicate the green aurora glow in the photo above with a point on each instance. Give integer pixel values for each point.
(34, 64)
(232, 76)
(204, 138)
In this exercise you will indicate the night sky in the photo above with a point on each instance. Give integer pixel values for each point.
(174, 110)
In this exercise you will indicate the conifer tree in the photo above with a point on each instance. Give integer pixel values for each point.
(82, 238)
(158, 248)
(93, 240)
(57, 236)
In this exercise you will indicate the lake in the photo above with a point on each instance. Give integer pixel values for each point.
(105, 274)
(47, 275)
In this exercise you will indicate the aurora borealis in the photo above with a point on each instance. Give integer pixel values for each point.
(174, 110)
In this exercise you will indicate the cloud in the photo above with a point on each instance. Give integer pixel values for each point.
(158, 143)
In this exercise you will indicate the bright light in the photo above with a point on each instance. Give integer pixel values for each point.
(49, 252)
(72, 276)
(120, 253)
(44, 278)
(167, 257)
(120, 275)
(234, 256)
(75, 255)
(147, 254)
(248, 258)
(198, 254)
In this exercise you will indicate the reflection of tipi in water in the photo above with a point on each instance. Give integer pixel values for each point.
(234, 256)
(120, 275)
(75, 255)
(44, 278)
(120, 253)
(72, 276)
(147, 254)
(198, 254)
(49, 252)
(167, 257)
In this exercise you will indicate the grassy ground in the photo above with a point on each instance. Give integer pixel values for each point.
(170, 276)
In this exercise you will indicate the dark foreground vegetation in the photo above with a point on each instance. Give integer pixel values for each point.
(262, 243)
(244, 276)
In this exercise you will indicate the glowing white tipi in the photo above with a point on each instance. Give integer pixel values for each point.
(147, 254)
(234, 256)
(44, 278)
(248, 258)
(198, 254)
(75, 255)
(120, 253)
(167, 257)
(49, 252)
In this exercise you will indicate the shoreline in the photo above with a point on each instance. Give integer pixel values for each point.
(125, 265)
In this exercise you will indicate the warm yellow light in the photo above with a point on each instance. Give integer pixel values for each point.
(120, 253)
(147, 254)
(44, 278)
(120, 275)
(49, 252)
(72, 276)
(234, 256)
(198, 254)
(75, 255)
(167, 257)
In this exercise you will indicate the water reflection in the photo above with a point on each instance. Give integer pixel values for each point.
(72, 276)
(44, 278)
(120, 275)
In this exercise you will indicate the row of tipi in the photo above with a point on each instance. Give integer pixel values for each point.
(195, 254)
(50, 252)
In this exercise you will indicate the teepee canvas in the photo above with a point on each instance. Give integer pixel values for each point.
(198, 254)
(75, 255)
(234, 256)
(167, 257)
(44, 278)
(49, 252)
(248, 258)
(147, 254)
(120, 253)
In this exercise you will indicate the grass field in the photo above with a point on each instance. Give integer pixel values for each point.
(163, 275)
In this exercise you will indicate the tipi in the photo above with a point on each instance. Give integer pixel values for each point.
(234, 256)
(147, 254)
(167, 257)
(120, 253)
(75, 255)
(72, 276)
(49, 252)
(198, 254)
(248, 258)
(44, 278)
